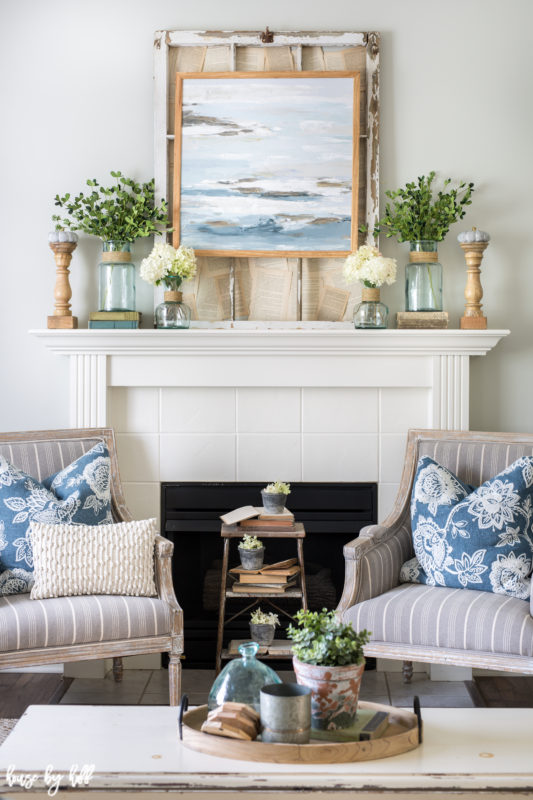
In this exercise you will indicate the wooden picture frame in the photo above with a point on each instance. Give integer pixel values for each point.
(298, 214)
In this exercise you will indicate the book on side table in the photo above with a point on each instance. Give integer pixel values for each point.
(270, 578)
(255, 518)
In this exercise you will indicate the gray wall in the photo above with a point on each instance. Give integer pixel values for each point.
(76, 102)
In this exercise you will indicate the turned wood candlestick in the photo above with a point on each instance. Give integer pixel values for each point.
(62, 316)
(473, 318)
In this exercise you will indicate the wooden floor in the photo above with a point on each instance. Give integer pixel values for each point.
(503, 692)
(18, 690)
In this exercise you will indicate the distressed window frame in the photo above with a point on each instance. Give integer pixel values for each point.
(369, 135)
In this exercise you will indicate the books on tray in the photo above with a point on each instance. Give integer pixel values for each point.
(270, 579)
(369, 724)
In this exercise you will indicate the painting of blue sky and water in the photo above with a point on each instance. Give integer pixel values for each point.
(267, 165)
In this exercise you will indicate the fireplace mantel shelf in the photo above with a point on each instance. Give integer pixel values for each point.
(434, 362)
(271, 341)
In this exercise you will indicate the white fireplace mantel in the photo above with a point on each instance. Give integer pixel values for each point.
(281, 357)
(277, 340)
(239, 404)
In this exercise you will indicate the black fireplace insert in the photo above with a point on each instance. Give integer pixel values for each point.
(332, 513)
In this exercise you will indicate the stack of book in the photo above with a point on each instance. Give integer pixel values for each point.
(270, 579)
(115, 319)
(254, 519)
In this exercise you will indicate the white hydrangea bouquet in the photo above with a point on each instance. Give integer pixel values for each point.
(368, 266)
(169, 266)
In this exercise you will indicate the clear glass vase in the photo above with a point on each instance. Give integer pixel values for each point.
(242, 679)
(371, 312)
(423, 277)
(172, 313)
(116, 278)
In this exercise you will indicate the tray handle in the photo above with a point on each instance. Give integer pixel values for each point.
(418, 712)
(184, 705)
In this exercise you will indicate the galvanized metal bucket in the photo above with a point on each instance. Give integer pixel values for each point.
(285, 713)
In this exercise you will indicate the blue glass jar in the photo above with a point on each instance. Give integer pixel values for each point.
(116, 278)
(242, 679)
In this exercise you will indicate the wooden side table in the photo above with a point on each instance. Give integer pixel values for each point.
(229, 532)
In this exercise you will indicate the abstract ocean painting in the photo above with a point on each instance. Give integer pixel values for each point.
(267, 164)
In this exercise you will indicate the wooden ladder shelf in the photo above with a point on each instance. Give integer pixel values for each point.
(229, 532)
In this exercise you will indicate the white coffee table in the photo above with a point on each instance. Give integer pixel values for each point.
(135, 749)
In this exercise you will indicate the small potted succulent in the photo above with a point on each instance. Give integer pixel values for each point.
(275, 496)
(329, 659)
(263, 626)
(251, 552)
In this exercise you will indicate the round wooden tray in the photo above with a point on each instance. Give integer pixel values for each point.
(401, 735)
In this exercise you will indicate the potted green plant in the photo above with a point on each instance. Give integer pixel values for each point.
(329, 659)
(263, 626)
(118, 215)
(251, 552)
(422, 216)
(275, 496)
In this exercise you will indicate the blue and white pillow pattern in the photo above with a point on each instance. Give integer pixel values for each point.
(472, 538)
(79, 494)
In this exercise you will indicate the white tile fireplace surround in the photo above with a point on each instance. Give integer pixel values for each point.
(260, 405)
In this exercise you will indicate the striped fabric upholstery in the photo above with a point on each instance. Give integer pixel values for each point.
(454, 619)
(42, 458)
(474, 462)
(28, 624)
(379, 567)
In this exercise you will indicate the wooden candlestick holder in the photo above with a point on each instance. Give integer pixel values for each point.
(62, 316)
(473, 318)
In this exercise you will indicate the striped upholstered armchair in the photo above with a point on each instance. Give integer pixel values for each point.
(415, 622)
(35, 632)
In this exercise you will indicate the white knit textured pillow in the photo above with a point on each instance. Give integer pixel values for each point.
(93, 559)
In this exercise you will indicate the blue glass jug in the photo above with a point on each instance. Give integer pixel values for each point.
(242, 679)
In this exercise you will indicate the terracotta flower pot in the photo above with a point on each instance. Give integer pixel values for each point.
(334, 693)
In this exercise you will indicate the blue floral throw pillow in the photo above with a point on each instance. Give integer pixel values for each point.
(473, 538)
(79, 494)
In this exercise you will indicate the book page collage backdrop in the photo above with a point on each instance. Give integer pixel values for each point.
(267, 288)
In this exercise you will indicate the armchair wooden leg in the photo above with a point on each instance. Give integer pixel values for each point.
(407, 671)
(174, 679)
(118, 669)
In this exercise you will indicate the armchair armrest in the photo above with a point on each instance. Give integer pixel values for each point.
(163, 580)
(373, 561)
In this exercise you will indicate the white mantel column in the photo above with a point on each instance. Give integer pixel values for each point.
(451, 391)
(88, 390)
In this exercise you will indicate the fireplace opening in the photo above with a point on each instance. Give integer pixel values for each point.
(332, 513)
